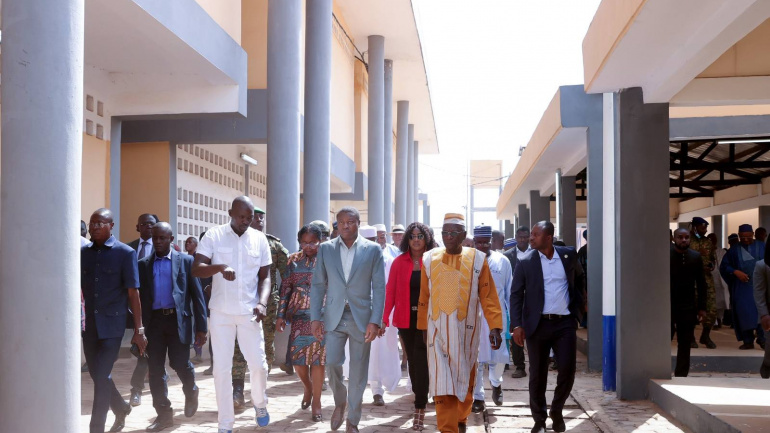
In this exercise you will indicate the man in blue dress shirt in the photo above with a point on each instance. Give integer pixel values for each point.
(109, 281)
(171, 298)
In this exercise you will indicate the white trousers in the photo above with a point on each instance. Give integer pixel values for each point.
(495, 378)
(224, 328)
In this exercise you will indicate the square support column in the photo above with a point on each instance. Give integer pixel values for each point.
(764, 217)
(539, 208)
(717, 227)
(509, 230)
(568, 211)
(641, 151)
(523, 218)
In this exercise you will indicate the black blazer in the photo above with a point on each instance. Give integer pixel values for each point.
(135, 245)
(528, 292)
(188, 295)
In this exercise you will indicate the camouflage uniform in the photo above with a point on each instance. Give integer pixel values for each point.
(279, 256)
(708, 254)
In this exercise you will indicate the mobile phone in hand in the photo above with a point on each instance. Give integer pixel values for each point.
(135, 351)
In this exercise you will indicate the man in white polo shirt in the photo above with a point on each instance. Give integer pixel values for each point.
(238, 258)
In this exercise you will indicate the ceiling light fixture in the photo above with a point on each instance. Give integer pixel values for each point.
(248, 159)
(762, 140)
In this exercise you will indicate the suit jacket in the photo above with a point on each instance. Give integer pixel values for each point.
(364, 291)
(528, 291)
(762, 287)
(187, 293)
(135, 245)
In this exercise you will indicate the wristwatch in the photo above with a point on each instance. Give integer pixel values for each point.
(140, 330)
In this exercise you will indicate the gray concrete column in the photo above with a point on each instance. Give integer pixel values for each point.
(539, 208)
(558, 194)
(641, 210)
(523, 218)
(410, 178)
(42, 118)
(416, 157)
(568, 221)
(764, 217)
(594, 276)
(318, 75)
(376, 174)
(284, 18)
(508, 231)
(115, 147)
(717, 227)
(402, 162)
(388, 147)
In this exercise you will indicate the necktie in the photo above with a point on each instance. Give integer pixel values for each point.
(142, 251)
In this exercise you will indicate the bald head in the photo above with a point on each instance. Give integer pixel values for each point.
(241, 214)
(104, 213)
(162, 236)
(243, 201)
(100, 226)
(681, 239)
(162, 227)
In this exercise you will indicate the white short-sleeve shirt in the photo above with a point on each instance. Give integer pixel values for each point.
(245, 254)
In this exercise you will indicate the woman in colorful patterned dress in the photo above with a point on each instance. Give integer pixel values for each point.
(308, 355)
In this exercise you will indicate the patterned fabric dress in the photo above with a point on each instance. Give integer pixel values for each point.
(295, 309)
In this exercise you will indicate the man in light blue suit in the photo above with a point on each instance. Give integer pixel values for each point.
(350, 274)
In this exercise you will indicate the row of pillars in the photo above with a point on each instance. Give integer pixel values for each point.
(285, 121)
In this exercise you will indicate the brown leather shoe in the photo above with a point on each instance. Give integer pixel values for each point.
(337, 416)
(350, 428)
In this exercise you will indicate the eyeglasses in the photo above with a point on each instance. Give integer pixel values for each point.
(98, 225)
(451, 234)
(309, 245)
(418, 236)
(482, 244)
(146, 224)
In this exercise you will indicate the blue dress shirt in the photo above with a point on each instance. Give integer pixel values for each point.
(555, 285)
(162, 283)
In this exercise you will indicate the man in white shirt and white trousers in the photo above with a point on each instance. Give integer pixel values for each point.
(238, 258)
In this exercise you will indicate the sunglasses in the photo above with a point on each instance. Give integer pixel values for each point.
(418, 236)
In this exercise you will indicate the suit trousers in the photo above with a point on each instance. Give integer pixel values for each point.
(162, 339)
(100, 356)
(683, 324)
(764, 370)
(224, 328)
(559, 335)
(518, 355)
(359, 364)
(451, 412)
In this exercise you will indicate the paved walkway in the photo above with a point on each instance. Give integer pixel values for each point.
(588, 410)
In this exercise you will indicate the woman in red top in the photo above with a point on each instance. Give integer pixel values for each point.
(403, 294)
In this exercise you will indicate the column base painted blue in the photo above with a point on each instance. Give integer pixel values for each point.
(609, 367)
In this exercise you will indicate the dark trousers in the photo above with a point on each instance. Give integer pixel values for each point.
(140, 371)
(518, 355)
(417, 361)
(162, 339)
(100, 356)
(559, 335)
(683, 324)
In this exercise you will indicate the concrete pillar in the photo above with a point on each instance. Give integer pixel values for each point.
(539, 208)
(641, 209)
(425, 212)
(683, 224)
(284, 32)
(718, 229)
(410, 178)
(509, 229)
(764, 217)
(594, 206)
(42, 120)
(318, 73)
(609, 244)
(115, 146)
(402, 162)
(376, 174)
(388, 147)
(523, 217)
(568, 221)
(416, 157)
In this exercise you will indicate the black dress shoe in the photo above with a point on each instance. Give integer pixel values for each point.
(164, 420)
(497, 395)
(136, 397)
(746, 346)
(478, 406)
(378, 400)
(764, 371)
(518, 373)
(538, 428)
(558, 422)
(461, 427)
(191, 403)
(120, 420)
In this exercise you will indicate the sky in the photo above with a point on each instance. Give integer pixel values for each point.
(493, 66)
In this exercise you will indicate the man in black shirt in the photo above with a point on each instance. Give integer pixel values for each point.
(686, 278)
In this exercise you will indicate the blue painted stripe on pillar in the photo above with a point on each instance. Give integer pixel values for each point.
(608, 362)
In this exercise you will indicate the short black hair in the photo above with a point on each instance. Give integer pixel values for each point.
(350, 210)
(312, 229)
(497, 234)
(547, 227)
(430, 243)
(522, 229)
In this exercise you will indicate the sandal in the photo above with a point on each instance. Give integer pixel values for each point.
(418, 424)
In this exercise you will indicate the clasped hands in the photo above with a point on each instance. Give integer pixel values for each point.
(372, 331)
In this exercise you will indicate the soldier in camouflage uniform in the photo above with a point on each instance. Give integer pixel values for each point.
(700, 243)
(278, 267)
